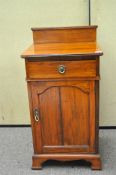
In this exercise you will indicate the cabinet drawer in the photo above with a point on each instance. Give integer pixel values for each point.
(61, 69)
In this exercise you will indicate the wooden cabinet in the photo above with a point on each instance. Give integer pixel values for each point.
(62, 70)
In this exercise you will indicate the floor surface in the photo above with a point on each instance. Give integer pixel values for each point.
(16, 151)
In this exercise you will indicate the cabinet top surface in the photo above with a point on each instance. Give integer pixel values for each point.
(62, 49)
(79, 41)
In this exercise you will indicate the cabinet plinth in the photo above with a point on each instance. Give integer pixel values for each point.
(62, 73)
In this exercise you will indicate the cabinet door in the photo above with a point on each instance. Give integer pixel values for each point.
(66, 112)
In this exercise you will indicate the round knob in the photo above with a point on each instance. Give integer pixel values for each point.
(61, 69)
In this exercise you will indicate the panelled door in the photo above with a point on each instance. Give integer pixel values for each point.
(63, 115)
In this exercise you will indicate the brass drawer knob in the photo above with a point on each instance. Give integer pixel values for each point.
(61, 69)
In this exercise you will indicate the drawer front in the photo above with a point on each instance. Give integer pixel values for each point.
(61, 69)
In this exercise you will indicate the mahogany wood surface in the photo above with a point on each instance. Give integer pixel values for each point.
(64, 35)
(64, 107)
(59, 127)
(94, 159)
(85, 68)
(63, 41)
(62, 49)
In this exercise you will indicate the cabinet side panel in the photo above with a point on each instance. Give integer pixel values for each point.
(97, 115)
(31, 115)
(36, 126)
(50, 117)
(75, 116)
(92, 117)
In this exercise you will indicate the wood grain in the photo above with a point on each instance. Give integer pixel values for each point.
(85, 68)
(68, 103)
(64, 35)
(75, 112)
(63, 41)
(94, 159)
(62, 49)
(61, 124)
(50, 117)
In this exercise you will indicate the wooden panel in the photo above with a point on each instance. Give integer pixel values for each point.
(43, 85)
(85, 68)
(50, 117)
(93, 159)
(62, 118)
(75, 116)
(92, 117)
(56, 51)
(36, 126)
(66, 149)
(64, 35)
(36, 129)
(64, 108)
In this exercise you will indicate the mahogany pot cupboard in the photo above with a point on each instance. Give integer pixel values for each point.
(62, 74)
